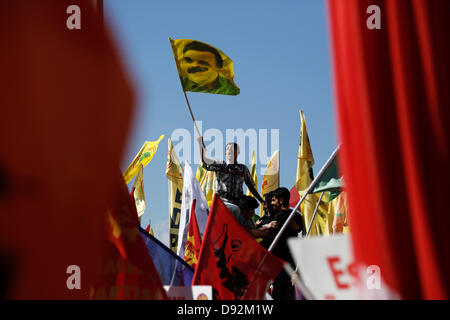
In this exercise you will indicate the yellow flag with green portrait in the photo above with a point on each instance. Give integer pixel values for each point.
(203, 68)
(144, 156)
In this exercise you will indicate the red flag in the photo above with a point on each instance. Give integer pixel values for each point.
(66, 107)
(231, 261)
(194, 239)
(295, 197)
(393, 103)
(128, 271)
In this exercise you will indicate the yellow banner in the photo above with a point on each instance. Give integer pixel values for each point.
(271, 179)
(144, 156)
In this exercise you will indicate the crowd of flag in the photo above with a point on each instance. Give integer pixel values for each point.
(207, 246)
(198, 220)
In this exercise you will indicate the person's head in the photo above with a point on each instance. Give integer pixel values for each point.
(280, 198)
(248, 205)
(268, 200)
(231, 151)
(201, 62)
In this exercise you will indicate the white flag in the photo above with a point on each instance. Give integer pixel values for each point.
(191, 191)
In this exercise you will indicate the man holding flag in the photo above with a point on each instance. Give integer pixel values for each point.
(230, 176)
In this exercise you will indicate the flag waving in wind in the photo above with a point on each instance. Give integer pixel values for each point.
(203, 68)
(143, 157)
(231, 261)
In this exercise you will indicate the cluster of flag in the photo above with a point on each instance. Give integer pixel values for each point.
(207, 245)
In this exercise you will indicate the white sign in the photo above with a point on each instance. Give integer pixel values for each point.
(189, 293)
(326, 266)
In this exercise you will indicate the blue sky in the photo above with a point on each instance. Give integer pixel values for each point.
(281, 56)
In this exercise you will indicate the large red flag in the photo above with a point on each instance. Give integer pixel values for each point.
(231, 261)
(66, 106)
(194, 239)
(128, 270)
(393, 98)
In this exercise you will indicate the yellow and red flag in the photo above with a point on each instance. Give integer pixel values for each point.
(231, 261)
(194, 240)
(144, 156)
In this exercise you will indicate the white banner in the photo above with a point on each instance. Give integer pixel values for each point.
(326, 266)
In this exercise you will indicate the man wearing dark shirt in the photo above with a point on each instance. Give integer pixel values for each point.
(282, 286)
(230, 176)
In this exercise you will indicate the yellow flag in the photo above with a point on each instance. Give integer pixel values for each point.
(174, 172)
(200, 173)
(305, 162)
(143, 157)
(253, 174)
(271, 179)
(139, 194)
(305, 159)
(203, 68)
(207, 185)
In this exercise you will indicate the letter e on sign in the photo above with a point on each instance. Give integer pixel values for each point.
(337, 273)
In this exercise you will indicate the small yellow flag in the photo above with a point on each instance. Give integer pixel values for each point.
(271, 179)
(143, 157)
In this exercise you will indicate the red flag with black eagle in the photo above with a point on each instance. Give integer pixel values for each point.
(231, 261)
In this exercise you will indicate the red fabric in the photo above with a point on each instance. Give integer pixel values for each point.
(66, 106)
(194, 232)
(393, 112)
(295, 197)
(128, 271)
(229, 259)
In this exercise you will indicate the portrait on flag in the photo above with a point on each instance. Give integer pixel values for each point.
(203, 68)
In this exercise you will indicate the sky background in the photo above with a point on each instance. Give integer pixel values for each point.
(281, 56)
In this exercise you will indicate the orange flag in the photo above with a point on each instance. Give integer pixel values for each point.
(66, 106)
(194, 240)
(128, 271)
(231, 261)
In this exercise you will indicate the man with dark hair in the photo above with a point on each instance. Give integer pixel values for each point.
(282, 287)
(230, 177)
(248, 205)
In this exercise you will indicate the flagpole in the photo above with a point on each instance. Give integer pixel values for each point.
(310, 188)
(314, 214)
(185, 95)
